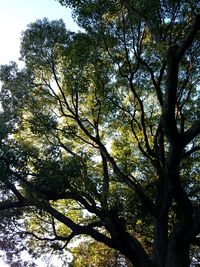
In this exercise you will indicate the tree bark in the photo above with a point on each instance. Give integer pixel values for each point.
(178, 254)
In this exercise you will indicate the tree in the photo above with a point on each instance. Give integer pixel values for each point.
(100, 131)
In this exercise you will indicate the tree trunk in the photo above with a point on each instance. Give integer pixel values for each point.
(178, 255)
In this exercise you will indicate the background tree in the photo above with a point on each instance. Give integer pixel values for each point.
(100, 131)
(89, 253)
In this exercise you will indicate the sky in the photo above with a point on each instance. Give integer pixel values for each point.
(16, 14)
(14, 17)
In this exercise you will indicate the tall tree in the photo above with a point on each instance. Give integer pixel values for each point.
(100, 131)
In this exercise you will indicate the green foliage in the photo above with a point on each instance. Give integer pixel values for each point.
(99, 135)
(96, 254)
(40, 39)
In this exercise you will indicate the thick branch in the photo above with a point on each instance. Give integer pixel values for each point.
(10, 205)
(105, 181)
(192, 150)
(15, 191)
(189, 38)
(78, 229)
(75, 196)
(191, 133)
(169, 121)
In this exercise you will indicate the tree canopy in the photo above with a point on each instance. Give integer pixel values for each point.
(99, 136)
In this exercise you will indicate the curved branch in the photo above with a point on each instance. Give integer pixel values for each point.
(191, 133)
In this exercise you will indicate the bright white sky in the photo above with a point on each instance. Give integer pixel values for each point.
(14, 17)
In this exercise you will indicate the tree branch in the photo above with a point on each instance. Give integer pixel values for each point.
(192, 150)
(61, 238)
(189, 38)
(141, 16)
(15, 191)
(10, 205)
(191, 133)
(168, 113)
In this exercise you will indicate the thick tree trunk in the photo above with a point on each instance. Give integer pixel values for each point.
(178, 255)
(161, 241)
